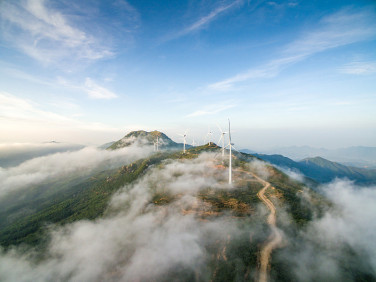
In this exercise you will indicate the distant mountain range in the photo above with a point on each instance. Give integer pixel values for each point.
(15, 154)
(322, 170)
(359, 156)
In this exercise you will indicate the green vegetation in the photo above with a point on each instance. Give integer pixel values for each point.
(24, 216)
(87, 199)
(232, 255)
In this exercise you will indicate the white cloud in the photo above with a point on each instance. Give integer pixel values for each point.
(204, 20)
(212, 109)
(339, 29)
(90, 87)
(359, 68)
(96, 91)
(58, 165)
(7, 70)
(12, 154)
(51, 35)
(22, 119)
(208, 18)
(339, 241)
(135, 232)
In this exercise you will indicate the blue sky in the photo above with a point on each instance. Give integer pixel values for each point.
(284, 72)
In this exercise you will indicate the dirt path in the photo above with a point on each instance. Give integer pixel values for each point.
(275, 238)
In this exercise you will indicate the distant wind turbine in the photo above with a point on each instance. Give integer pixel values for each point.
(230, 145)
(193, 142)
(184, 139)
(209, 136)
(156, 144)
(223, 140)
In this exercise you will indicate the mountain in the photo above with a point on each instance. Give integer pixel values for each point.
(172, 213)
(146, 138)
(106, 145)
(247, 151)
(23, 214)
(360, 156)
(322, 170)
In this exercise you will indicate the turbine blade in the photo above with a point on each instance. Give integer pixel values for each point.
(220, 138)
(220, 129)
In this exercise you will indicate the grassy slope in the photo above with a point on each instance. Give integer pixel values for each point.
(71, 199)
(87, 199)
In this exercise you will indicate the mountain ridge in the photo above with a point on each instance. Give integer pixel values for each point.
(359, 156)
(322, 170)
(169, 196)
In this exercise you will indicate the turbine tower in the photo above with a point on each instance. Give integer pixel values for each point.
(156, 144)
(230, 145)
(184, 139)
(223, 140)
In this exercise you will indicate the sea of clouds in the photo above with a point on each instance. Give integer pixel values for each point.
(139, 241)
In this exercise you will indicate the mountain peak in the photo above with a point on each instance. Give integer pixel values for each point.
(315, 160)
(145, 138)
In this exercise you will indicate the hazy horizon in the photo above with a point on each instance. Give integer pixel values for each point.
(252, 139)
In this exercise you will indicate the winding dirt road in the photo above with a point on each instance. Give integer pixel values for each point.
(275, 238)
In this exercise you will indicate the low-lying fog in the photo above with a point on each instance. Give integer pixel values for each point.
(137, 240)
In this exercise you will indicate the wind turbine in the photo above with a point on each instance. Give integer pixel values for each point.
(209, 136)
(184, 139)
(230, 145)
(193, 143)
(158, 143)
(223, 140)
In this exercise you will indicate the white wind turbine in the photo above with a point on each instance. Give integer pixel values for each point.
(223, 140)
(208, 136)
(230, 145)
(193, 143)
(184, 139)
(156, 144)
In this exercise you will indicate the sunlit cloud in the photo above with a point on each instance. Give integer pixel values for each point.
(339, 29)
(18, 113)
